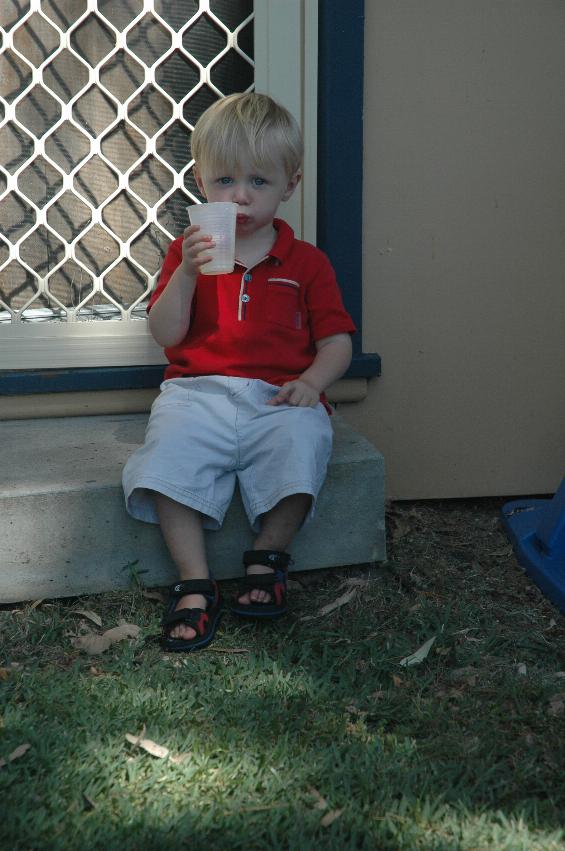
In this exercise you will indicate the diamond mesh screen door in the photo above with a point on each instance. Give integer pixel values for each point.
(97, 102)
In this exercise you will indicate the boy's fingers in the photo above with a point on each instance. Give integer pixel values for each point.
(199, 241)
(282, 396)
(293, 394)
(276, 400)
(196, 250)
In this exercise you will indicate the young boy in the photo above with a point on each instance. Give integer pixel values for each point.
(250, 354)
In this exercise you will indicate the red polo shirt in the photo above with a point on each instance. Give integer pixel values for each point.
(260, 322)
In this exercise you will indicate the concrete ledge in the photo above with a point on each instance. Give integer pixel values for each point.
(65, 530)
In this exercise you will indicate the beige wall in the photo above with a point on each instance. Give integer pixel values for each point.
(464, 245)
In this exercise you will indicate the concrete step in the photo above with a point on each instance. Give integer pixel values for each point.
(65, 530)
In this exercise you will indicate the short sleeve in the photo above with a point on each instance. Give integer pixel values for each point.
(172, 259)
(327, 315)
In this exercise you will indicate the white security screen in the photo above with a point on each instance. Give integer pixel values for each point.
(97, 102)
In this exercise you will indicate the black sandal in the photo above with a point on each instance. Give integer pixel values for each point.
(274, 583)
(203, 621)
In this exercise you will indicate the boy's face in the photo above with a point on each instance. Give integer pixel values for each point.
(257, 192)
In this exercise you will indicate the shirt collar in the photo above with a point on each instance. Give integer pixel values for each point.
(282, 245)
(283, 242)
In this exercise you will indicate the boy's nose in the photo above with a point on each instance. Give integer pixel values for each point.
(241, 195)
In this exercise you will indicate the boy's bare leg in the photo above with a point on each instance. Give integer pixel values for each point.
(182, 530)
(278, 528)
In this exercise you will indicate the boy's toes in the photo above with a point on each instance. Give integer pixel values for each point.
(254, 596)
(185, 633)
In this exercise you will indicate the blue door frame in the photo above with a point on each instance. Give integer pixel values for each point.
(340, 183)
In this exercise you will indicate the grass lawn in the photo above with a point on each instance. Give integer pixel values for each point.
(309, 733)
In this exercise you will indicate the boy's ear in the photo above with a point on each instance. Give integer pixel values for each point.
(198, 179)
(292, 184)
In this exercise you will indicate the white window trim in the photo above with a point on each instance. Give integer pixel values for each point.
(285, 68)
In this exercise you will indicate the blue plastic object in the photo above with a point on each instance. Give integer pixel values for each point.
(536, 528)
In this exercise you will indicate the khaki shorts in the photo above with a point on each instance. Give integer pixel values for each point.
(206, 433)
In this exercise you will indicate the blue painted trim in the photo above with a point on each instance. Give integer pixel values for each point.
(16, 382)
(364, 366)
(340, 184)
(340, 151)
(20, 383)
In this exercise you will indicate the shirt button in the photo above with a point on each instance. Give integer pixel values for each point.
(247, 277)
(245, 298)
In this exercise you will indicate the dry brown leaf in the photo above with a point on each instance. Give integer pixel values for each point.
(91, 616)
(321, 803)
(330, 817)
(354, 584)
(340, 601)
(4, 673)
(94, 644)
(148, 745)
(354, 580)
(522, 669)
(140, 736)
(419, 655)
(557, 704)
(16, 754)
(35, 604)
(398, 681)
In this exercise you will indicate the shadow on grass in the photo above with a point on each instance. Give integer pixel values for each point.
(250, 737)
(309, 733)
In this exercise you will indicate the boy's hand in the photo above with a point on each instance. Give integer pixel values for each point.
(194, 247)
(297, 393)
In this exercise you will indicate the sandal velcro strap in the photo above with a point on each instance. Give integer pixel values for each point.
(267, 558)
(203, 622)
(188, 617)
(261, 581)
(274, 583)
(193, 586)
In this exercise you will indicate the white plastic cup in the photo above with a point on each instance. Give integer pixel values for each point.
(217, 219)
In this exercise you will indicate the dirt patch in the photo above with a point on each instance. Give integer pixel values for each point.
(456, 544)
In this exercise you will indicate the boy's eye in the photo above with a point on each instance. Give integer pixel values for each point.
(225, 181)
(258, 181)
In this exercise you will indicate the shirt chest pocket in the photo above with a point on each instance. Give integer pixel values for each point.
(283, 303)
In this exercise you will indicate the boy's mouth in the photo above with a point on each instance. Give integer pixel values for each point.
(241, 218)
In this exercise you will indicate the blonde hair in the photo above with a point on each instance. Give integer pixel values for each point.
(244, 125)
